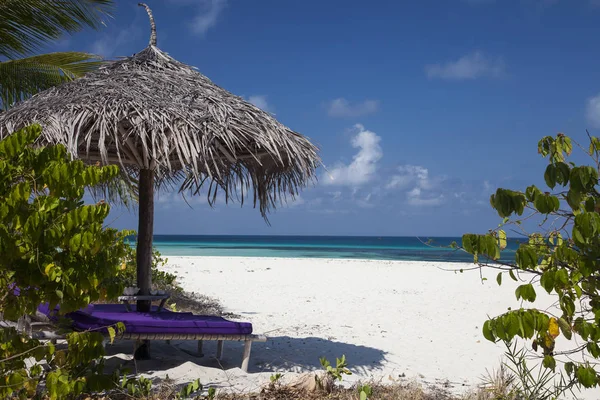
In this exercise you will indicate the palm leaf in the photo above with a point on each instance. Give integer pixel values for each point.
(26, 24)
(22, 78)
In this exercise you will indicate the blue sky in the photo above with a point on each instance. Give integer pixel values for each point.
(421, 108)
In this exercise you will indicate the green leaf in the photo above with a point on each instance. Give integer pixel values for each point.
(567, 305)
(550, 176)
(528, 324)
(590, 204)
(532, 192)
(512, 325)
(562, 173)
(583, 178)
(569, 367)
(469, 243)
(488, 331)
(499, 278)
(512, 275)
(501, 239)
(562, 277)
(586, 228)
(506, 202)
(586, 376)
(574, 199)
(111, 334)
(547, 280)
(593, 349)
(549, 362)
(526, 292)
(546, 203)
(526, 257)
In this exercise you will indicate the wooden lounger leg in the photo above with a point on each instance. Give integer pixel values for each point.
(246, 358)
(200, 354)
(219, 349)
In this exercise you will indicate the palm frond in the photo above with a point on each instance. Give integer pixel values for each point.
(21, 78)
(26, 24)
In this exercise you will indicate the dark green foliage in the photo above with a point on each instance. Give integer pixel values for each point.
(54, 249)
(160, 279)
(563, 259)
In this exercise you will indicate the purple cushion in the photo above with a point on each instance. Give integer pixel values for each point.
(100, 316)
(165, 322)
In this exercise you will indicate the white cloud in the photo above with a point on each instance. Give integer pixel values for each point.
(208, 15)
(365, 202)
(335, 196)
(341, 107)
(415, 198)
(108, 44)
(260, 101)
(63, 43)
(422, 187)
(592, 111)
(363, 167)
(409, 175)
(472, 66)
(297, 201)
(488, 188)
(102, 47)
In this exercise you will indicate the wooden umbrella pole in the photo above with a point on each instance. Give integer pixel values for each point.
(144, 249)
(145, 231)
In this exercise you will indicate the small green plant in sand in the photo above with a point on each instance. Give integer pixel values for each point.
(365, 392)
(189, 389)
(340, 369)
(136, 387)
(275, 378)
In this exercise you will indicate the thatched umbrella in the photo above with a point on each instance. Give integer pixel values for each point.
(163, 121)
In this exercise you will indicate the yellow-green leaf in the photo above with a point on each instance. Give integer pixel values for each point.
(553, 328)
(111, 334)
(502, 239)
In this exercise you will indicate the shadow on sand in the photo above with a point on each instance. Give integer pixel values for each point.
(279, 353)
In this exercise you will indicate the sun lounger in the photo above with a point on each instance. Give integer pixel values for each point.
(164, 325)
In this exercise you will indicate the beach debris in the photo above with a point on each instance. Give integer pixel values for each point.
(313, 382)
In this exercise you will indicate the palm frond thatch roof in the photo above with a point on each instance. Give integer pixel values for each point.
(149, 111)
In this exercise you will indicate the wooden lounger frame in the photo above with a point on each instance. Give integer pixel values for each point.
(34, 329)
(247, 339)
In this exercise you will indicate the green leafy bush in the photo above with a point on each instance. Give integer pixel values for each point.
(563, 259)
(54, 249)
(160, 279)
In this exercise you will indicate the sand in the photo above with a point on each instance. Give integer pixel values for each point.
(393, 320)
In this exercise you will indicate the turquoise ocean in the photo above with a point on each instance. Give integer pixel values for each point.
(344, 247)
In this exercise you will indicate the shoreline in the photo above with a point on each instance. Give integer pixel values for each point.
(325, 259)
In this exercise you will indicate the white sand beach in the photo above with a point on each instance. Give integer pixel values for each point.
(393, 320)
